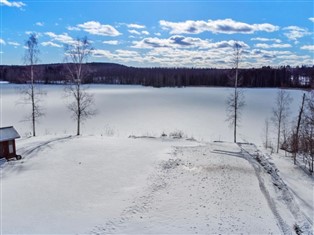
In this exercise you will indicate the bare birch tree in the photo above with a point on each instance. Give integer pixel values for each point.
(307, 133)
(76, 55)
(235, 101)
(296, 140)
(31, 93)
(281, 113)
(266, 132)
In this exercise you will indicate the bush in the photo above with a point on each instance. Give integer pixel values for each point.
(177, 134)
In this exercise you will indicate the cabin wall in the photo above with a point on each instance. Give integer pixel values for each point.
(7, 149)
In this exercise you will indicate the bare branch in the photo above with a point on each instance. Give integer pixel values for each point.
(281, 113)
(81, 106)
(235, 101)
(31, 94)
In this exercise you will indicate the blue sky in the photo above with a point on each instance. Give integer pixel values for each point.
(163, 33)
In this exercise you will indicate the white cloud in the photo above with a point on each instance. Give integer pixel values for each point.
(275, 45)
(136, 32)
(15, 44)
(39, 23)
(136, 26)
(95, 28)
(119, 55)
(61, 38)
(267, 40)
(111, 42)
(12, 4)
(295, 32)
(175, 57)
(38, 34)
(308, 47)
(2, 41)
(127, 53)
(216, 54)
(227, 26)
(311, 19)
(157, 34)
(177, 41)
(52, 44)
(102, 53)
(133, 31)
(71, 28)
(294, 60)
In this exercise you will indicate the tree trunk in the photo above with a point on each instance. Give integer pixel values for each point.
(266, 134)
(33, 101)
(78, 126)
(278, 135)
(78, 110)
(235, 103)
(296, 141)
(235, 116)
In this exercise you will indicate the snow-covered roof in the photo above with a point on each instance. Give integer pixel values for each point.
(8, 133)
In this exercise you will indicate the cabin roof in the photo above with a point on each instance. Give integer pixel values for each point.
(8, 133)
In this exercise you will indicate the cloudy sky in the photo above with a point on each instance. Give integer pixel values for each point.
(163, 33)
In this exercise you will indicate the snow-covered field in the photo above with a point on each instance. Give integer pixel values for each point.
(102, 185)
(103, 182)
(135, 110)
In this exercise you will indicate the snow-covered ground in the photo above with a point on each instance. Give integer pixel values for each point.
(300, 184)
(104, 182)
(101, 185)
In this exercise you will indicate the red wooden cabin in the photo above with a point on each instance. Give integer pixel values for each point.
(7, 142)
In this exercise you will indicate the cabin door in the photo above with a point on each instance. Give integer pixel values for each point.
(11, 147)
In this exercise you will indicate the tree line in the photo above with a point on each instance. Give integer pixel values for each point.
(110, 73)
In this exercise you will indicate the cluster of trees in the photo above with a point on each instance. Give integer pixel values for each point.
(76, 56)
(108, 73)
(301, 138)
(297, 138)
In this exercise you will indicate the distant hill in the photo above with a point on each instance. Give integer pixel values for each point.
(112, 73)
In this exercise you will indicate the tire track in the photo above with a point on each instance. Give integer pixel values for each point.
(40, 146)
(260, 163)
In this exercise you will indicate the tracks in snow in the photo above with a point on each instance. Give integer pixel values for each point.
(260, 163)
(272, 205)
(38, 146)
(197, 190)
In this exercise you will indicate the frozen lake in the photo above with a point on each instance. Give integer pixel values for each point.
(136, 110)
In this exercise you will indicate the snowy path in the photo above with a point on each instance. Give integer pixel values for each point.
(299, 183)
(208, 189)
(290, 185)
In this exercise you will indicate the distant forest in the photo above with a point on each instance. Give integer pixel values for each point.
(109, 73)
